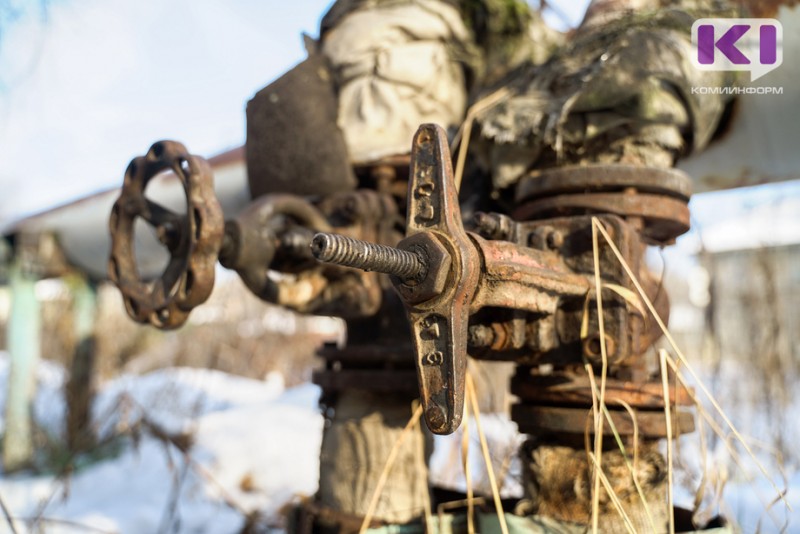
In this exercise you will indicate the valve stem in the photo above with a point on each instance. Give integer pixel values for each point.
(349, 252)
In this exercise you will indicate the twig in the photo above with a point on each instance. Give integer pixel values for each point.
(59, 481)
(720, 433)
(7, 515)
(67, 469)
(175, 493)
(199, 468)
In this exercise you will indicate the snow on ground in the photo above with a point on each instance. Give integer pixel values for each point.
(256, 447)
(503, 440)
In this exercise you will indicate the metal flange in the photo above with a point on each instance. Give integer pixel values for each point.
(658, 197)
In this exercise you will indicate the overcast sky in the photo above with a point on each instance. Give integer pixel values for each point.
(89, 84)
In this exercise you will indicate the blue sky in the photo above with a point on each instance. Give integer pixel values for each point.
(90, 84)
(97, 81)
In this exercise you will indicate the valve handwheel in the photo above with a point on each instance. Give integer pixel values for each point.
(193, 240)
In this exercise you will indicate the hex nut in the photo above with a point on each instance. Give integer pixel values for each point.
(437, 261)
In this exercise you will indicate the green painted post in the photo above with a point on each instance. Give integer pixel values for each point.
(24, 347)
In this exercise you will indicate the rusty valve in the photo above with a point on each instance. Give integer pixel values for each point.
(193, 240)
(436, 251)
(444, 275)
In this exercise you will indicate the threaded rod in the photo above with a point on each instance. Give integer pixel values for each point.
(341, 250)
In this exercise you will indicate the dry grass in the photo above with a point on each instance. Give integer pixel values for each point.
(681, 368)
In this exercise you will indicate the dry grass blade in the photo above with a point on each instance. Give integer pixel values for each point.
(701, 488)
(618, 438)
(585, 316)
(598, 431)
(473, 399)
(612, 495)
(630, 411)
(772, 503)
(662, 354)
(725, 438)
(504, 468)
(684, 361)
(465, 132)
(440, 510)
(426, 503)
(467, 468)
(629, 296)
(373, 503)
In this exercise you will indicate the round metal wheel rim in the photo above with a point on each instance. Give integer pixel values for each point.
(188, 279)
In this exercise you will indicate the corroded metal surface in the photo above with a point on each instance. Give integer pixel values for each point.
(657, 198)
(193, 240)
(664, 218)
(342, 250)
(519, 295)
(439, 325)
(523, 278)
(564, 389)
(540, 420)
(510, 290)
(557, 181)
(377, 380)
(438, 299)
(256, 236)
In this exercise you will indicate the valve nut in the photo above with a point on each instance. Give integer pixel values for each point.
(437, 261)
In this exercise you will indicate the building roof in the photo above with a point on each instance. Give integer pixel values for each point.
(81, 226)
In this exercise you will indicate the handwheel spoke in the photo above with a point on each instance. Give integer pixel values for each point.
(168, 224)
(172, 274)
(157, 215)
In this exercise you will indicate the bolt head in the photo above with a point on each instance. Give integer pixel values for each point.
(555, 239)
(437, 260)
(435, 418)
(593, 351)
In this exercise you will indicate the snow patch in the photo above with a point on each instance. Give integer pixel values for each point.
(255, 448)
